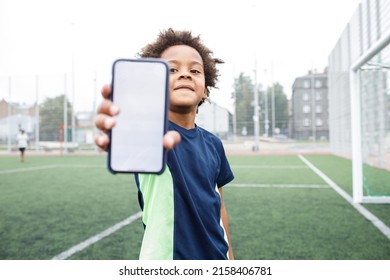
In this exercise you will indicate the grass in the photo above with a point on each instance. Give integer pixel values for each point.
(340, 171)
(301, 224)
(44, 212)
(376, 181)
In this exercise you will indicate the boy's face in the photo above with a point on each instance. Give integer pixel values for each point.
(187, 80)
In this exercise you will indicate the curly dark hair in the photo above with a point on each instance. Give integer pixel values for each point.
(170, 37)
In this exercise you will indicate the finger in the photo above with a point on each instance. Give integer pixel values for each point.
(171, 139)
(106, 91)
(108, 108)
(104, 122)
(102, 141)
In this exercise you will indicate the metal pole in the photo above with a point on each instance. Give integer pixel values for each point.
(357, 169)
(9, 115)
(37, 113)
(372, 51)
(65, 132)
(273, 101)
(256, 112)
(313, 104)
(234, 117)
(73, 110)
(73, 88)
(256, 123)
(94, 129)
(266, 120)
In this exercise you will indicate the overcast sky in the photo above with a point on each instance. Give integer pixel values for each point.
(286, 38)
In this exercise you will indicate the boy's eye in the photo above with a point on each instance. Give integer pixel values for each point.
(173, 70)
(195, 71)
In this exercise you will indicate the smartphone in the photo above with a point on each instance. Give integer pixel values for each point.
(140, 88)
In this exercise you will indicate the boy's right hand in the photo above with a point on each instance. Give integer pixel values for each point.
(105, 121)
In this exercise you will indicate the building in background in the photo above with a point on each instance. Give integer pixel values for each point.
(309, 107)
(214, 118)
(15, 116)
(85, 127)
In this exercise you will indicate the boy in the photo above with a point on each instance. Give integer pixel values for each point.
(183, 211)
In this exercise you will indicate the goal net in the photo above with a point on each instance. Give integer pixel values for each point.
(371, 86)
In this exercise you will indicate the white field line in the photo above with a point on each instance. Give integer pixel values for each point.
(88, 242)
(363, 211)
(81, 246)
(28, 169)
(278, 186)
(81, 166)
(268, 166)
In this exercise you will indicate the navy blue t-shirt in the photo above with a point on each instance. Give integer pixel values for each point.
(182, 206)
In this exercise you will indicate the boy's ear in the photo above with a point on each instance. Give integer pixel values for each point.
(205, 95)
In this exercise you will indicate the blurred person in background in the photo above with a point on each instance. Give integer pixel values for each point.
(22, 142)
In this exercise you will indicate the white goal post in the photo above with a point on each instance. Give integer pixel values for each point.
(356, 118)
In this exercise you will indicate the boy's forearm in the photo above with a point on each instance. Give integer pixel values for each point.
(225, 222)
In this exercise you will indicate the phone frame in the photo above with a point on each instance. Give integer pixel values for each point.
(165, 121)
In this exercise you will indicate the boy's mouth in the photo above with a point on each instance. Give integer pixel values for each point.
(184, 87)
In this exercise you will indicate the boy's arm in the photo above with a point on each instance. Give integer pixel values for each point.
(225, 222)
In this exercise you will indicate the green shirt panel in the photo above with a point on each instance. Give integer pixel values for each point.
(158, 215)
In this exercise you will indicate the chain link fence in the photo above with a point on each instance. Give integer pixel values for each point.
(58, 115)
(53, 112)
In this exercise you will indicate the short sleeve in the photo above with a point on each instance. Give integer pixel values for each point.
(225, 175)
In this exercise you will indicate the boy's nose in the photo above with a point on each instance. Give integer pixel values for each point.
(185, 74)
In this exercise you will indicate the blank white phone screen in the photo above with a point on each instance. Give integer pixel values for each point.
(139, 89)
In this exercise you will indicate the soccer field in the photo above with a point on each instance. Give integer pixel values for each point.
(71, 207)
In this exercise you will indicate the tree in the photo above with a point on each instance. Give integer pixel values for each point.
(243, 96)
(51, 118)
(281, 109)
